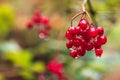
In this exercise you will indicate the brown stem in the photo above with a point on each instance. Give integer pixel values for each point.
(88, 16)
(83, 5)
(74, 17)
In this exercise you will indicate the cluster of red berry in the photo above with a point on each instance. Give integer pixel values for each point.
(85, 37)
(39, 20)
(56, 67)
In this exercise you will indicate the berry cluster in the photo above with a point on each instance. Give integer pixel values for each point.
(85, 37)
(56, 67)
(39, 20)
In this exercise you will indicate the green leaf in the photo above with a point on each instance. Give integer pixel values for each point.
(22, 58)
(38, 67)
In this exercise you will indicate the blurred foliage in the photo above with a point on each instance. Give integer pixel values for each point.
(24, 56)
(18, 57)
(6, 19)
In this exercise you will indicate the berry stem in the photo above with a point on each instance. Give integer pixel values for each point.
(83, 5)
(92, 12)
(75, 16)
(88, 17)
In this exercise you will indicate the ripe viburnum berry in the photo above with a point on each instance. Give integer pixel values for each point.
(100, 30)
(92, 32)
(29, 25)
(89, 46)
(102, 39)
(98, 52)
(69, 44)
(56, 67)
(47, 26)
(97, 44)
(69, 36)
(81, 51)
(73, 53)
(37, 19)
(45, 20)
(85, 37)
(78, 30)
(82, 24)
(37, 13)
(43, 34)
(72, 30)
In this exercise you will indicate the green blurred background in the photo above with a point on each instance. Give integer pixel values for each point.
(24, 56)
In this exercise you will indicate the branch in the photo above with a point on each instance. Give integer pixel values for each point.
(83, 5)
(92, 12)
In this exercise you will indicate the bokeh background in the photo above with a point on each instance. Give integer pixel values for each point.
(24, 56)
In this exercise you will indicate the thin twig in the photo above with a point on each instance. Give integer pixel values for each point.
(83, 5)
(88, 16)
(92, 12)
(71, 21)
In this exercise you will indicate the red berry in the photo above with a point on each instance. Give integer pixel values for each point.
(97, 44)
(69, 36)
(86, 36)
(56, 67)
(69, 44)
(37, 13)
(81, 51)
(73, 53)
(102, 39)
(83, 24)
(98, 52)
(45, 20)
(36, 20)
(89, 46)
(76, 42)
(100, 30)
(43, 34)
(47, 26)
(72, 30)
(29, 25)
(78, 30)
(84, 33)
(83, 42)
(92, 32)
(46, 36)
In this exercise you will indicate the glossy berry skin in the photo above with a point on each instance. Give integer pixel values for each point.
(81, 51)
(86, 36)
(100, 30)
(92, 32)
(72, 30)
(78, 30)
(83, 24)
(102, 39)
(98, 52)
(89, 46)
(77, 42)
(69, 44)
(83, 42)
(29, 25)
(97, 44)
(73, 53)
(56, 67)
(69, 36)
